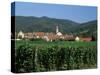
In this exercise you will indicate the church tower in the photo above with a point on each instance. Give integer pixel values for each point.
(57, 30)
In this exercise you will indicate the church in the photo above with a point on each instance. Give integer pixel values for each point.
(57, 31)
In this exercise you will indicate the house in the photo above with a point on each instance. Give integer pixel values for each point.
(86, 39)
(28, 35)
(50, 37)
(77, 38)
(39, 34)
(69, 37)
(20, 35)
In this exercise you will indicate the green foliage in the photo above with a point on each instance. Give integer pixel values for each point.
(37, 39)
(31, 58)
(44, 24)
(87, 29)
(25, 58)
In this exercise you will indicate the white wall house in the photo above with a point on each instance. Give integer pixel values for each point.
(20, 34)
(77, 39)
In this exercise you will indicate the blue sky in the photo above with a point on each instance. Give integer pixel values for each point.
(72, 12)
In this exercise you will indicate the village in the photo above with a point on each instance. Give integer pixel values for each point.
(50, 36)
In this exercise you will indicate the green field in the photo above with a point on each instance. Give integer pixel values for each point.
(42, 43)
(37, 56)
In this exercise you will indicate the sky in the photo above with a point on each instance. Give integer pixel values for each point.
(75, 13)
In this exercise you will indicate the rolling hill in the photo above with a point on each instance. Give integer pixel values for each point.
(46, 24)
(88, 28)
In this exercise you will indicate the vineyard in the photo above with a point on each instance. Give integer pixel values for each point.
(40, 56)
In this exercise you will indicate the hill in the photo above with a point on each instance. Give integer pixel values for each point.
(87, 29)
(46, 24)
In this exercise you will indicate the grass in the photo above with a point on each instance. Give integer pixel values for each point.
(56, 43)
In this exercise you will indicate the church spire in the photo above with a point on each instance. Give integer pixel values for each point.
(57, 30)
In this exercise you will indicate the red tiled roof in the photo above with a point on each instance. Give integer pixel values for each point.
(39, 33)
(86, 39)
